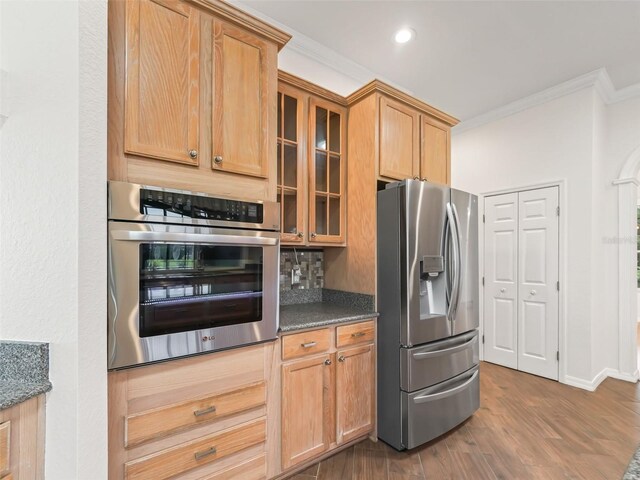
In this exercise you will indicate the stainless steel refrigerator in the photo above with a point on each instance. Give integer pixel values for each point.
(428, 378)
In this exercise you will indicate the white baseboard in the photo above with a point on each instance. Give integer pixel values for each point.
(591, 385)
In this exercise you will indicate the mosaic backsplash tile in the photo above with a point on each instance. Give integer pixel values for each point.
(311, 263)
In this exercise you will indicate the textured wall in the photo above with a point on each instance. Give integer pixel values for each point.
(52, 215)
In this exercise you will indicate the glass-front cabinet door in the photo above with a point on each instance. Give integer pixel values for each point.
(291, 165)
(327, 172)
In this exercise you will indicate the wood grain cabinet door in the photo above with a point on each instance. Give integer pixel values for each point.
(306, 414)
(435, 154)
(327, 173)
(355, 390)
(244, 82)
(162, 80)
(291, 161)
(399, 140)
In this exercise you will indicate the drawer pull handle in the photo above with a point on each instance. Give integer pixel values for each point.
(204, 411)
(308, 344)
(341, 358)
(205, 453)
(358, 334)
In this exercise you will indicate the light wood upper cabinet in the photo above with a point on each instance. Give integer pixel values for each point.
(242, 125)
(306, 400)
(192, 89)
(435, 152)
(312, 162)
(399, 140)
(292, 168)
(162, 89)
(355, 391)
(327, 173)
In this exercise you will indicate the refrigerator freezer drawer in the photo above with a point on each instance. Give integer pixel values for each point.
(429, 413)
(427, 365)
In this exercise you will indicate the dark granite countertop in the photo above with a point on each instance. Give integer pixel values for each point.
(319, 314)
(24, 371)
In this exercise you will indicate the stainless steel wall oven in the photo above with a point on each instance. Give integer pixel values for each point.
(188, 273)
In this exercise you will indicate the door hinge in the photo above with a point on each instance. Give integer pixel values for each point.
(482, 338)
(558, 210)
(483, 281)
(483, 218)
(558, 285)
(558, 355)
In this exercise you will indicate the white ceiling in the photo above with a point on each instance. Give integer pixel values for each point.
(471, 57)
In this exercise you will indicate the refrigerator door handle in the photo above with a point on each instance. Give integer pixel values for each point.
(446, 351)
(446, 254)
(456, 264)
(447, 393)
(459, 261)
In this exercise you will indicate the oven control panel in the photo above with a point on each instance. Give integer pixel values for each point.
(183, 205)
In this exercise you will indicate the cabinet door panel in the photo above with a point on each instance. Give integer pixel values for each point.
(435, 153)
(306, 398)
(292, 188)
(327, 173)
(162, 92)
(355, 390)
(399, 146)
(241, 129)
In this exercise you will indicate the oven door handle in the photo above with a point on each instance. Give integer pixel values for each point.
(143, 236)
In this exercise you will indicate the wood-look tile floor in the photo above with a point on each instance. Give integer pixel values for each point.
(527, 427)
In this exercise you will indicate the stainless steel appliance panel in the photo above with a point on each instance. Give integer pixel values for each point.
(425, 214)
(123, 203)
(465, 211)
(429, 413)
(429, 364)
(127, 346)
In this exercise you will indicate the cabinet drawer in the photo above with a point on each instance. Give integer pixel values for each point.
(355, 333)
(5, 436)
(202, 451)
(158, 422)
(305, 343)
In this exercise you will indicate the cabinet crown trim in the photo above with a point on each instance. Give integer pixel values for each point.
(377, 86)
(307, 86)
(243, 19)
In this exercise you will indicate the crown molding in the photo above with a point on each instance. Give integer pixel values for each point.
(319, 53)
(245, 19)
(301, 83)
(597, 79)
(381, 87)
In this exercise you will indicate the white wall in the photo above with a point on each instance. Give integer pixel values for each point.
(578, 139)
(52, 215)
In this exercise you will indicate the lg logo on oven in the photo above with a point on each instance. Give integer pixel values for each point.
(208, 338)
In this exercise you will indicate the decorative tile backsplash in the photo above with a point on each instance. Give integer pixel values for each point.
(311, 263)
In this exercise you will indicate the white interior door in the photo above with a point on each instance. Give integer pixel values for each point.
(501, 280)
(537, 282)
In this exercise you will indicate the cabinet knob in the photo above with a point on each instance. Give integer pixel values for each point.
(193, 153)
(327, 362)
(313, 235)
(217, 159)
(341, 358)
(533, 292)
(300, 234)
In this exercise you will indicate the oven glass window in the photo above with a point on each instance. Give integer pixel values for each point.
(187, 287)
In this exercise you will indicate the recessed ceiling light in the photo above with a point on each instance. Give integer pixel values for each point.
(404, 35)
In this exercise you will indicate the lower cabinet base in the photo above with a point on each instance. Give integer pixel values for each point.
(329, 453)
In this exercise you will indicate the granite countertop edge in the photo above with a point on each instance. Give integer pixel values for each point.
(14, 393)
(306, 316)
